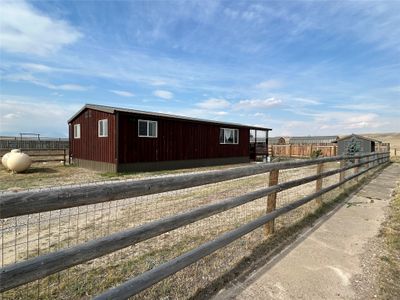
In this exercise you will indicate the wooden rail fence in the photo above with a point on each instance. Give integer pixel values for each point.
(297, 150)
(44, 155)
(29, 202)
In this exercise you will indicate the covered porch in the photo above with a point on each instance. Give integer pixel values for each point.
(258, 144)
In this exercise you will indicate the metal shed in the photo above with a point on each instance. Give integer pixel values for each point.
(356, 144)
(113, 139)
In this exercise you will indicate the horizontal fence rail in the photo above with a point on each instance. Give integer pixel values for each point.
(42, 266)
(149, 278)
(44, 155)
(23, 203)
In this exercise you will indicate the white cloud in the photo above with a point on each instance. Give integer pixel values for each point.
(37, 68)
(24, 29)
(10, 116)
(214, 103)
(25, 114)
(269, 84)
(346, 122)
(122, 93)
(163, 94)
(220, 113)
(157, 82)
(307, 101)
(364, 106)
(69, 87)
(32, 79)
(258, 103)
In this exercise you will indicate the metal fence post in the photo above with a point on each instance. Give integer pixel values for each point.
(269, 228)
(318, 183)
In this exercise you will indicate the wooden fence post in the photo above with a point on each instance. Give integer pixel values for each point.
(343, 173)
(356, 169)
(318, 183)
(290, 150)
(269, 228)
(65, 157)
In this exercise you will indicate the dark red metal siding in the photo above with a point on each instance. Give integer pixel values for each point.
(90, 146)
(176, 140)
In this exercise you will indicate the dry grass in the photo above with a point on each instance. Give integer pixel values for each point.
(42, 175)
(29, 236)
(389, 273)
(391, 137)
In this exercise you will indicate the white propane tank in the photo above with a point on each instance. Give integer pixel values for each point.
(4, 159)
(15, 151)
(18, 162)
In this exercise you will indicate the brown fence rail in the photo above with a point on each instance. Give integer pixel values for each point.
(44, 155)
(21, 204)
(17, 143)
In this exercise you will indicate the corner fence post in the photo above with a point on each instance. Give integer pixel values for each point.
(269, 228)
(318, 183)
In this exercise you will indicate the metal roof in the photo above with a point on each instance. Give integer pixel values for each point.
(276, 139)
(111, 110)
(304, 139)
(359, 136)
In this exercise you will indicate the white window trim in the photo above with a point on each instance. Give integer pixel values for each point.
(148, 121)
(77, 131)
(235, 129)
(98, 128)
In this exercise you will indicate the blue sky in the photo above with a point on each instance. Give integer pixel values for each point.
(298, 67)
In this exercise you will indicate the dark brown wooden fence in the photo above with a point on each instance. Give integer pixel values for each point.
(29, 202)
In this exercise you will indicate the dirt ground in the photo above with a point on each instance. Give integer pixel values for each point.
(42, 175)
(381, 260)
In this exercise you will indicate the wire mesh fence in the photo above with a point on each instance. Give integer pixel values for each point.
(32, 235)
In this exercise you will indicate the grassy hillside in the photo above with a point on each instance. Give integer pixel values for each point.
(392, 137)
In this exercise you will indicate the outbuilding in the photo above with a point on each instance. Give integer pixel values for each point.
(356, 144)
(315, 140)
(279, 140)
(112, 139)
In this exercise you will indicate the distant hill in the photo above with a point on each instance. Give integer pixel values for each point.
(391, 137)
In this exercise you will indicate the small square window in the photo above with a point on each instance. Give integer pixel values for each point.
(103, 128)
(228, 136)
(77, 131)
(147, 128)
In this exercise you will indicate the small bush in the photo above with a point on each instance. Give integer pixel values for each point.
(316, 153)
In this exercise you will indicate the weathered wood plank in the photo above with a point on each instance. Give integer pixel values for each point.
(319, 182)
(27, 202)
(269, 228)
(42, 266)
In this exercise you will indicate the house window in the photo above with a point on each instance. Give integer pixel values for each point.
(147, 128)
(77, 131)
(228, 136)
(103, 128)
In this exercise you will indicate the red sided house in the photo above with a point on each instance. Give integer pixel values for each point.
(112, 139)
